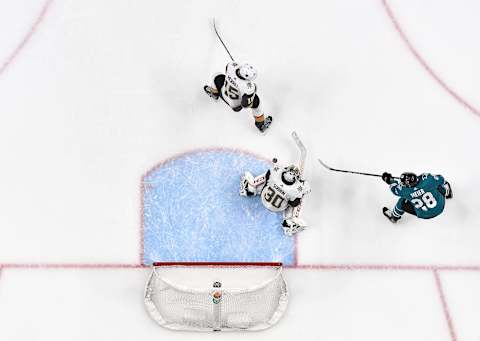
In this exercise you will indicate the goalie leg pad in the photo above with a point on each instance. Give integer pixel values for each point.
(247, 187)
(293, 225)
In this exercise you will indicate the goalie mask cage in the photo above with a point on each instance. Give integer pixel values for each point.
(216, 296)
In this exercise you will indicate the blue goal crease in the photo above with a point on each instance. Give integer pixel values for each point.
(193, 212)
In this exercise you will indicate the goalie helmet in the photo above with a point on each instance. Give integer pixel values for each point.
(290, 174)
(247, 72)
(409, 179)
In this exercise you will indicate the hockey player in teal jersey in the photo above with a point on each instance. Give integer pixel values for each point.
(423, 196)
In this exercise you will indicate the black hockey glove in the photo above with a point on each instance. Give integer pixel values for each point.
(247, 100)
(295, 203)
(387, 177)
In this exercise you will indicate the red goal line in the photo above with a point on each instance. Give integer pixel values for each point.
(339, 267)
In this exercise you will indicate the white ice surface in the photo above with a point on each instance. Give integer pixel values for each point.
(464, 302)
(105, 90)
(108, 305)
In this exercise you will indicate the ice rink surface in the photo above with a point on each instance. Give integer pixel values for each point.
(94, 94)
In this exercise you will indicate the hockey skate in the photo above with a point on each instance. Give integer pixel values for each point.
(263, 126)
(212, 92)
(389, 214)
(448, 189)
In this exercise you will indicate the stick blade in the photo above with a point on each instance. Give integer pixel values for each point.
(299, 142)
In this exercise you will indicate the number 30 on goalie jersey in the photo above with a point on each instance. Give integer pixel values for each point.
(278, 195)
(273, 198)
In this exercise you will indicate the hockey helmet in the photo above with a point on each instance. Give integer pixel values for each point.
(290, 174)
(409, 179)
(247, 72)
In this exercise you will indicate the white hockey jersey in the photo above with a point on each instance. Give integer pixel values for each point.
(276, 194)
(235, 88)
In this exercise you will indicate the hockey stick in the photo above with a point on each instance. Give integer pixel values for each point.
(301, 165)
(303, 151)
(218, 35)
(351, 172)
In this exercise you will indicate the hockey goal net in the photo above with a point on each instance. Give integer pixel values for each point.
(216, 296)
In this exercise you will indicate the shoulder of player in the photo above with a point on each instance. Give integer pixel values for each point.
(298, 189)
(427, 179)
(232, 66)
(274, 174)
(425, 176)
(247, 87)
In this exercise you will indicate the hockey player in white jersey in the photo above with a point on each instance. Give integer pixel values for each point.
(237, 89)
(281, 189)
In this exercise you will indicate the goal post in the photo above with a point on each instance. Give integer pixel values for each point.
(216, 296)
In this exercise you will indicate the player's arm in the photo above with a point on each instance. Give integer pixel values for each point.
(439, 181)
(304, 189)
(396, 189)
(231, 67)
(249, 92)
(247, 100)
(295, 203)
(395, 186)
(261, 179)
(250, 185)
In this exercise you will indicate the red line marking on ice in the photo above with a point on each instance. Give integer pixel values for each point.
(202, 150)
(446, 311)
(424, 63)
(338, 267)
(295, 251)
(26, 38)
(70, 266)
(386, 267)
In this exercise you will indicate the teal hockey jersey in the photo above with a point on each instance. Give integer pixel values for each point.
(428, 196)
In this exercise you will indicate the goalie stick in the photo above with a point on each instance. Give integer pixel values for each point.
(303, 151)
(301, 165)
(351, 172)
(219, 38)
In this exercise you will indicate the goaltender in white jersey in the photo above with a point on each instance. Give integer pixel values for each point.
(281, 189)
(237, 89)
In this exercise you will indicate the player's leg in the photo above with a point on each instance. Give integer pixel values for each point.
(292, 224)
(397, 212)
(261, 122)
(408, 207)
(215, 91)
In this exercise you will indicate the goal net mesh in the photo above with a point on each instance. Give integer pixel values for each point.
(216, 296)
